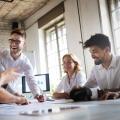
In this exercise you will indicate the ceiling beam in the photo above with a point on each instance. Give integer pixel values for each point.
(7, 0)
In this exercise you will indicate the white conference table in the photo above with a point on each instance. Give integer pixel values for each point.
(62, 110)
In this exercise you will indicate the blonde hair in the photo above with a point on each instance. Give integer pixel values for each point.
(75, 60)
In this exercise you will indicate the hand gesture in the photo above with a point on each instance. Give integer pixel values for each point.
(40, 98)
(22, 101)
(8, 75)
(110, 95)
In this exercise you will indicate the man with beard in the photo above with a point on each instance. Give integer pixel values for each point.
(16, 59)
(105, 74)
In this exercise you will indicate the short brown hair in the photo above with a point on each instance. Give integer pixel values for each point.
(20, 32)
(99, 40)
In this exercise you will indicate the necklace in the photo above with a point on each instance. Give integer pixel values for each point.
(69, 78)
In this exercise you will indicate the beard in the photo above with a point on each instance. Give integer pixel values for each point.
(15, 52)
(98, 62)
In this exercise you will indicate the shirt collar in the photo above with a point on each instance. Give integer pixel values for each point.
(73, 76)
(112, 64)
(20, 57)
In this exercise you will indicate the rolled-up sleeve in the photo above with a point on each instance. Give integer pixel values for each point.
(32, 83)
(60, 87)
(91, 83)
(1, 65)
(81, 79)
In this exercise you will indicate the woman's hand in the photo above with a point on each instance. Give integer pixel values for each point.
(61, 95)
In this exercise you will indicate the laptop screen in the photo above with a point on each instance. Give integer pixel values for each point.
(41, 79)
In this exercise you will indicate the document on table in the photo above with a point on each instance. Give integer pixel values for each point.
(62, 101)
(8, 109)
(36, 108)
(32, 109)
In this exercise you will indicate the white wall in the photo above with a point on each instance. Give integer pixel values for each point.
(32, 43)
(73, 30)
(105, 21)
(43, 67)
(90, 24)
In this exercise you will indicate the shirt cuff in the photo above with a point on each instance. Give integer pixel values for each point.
(94, 93)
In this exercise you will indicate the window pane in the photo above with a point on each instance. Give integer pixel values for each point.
(52, 47)
(62, 53)
(117, 38)
(56, 45)
(54, 73)
(118, 51)
(53, 60)
(116, 19)
(113, 4)
(49, 34)
(54, 76)
(62, 37)
(62, 43)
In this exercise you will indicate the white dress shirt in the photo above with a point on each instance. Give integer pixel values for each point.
(106, 78)
(78, 79)
(25, 68)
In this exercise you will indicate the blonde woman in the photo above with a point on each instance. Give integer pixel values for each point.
(74, 77)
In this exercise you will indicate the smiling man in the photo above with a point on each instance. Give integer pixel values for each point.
(15, 58)
(104, 81)
(106, 72)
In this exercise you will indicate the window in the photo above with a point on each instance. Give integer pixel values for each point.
(53, 44)
(114, 9)
(56, 47)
